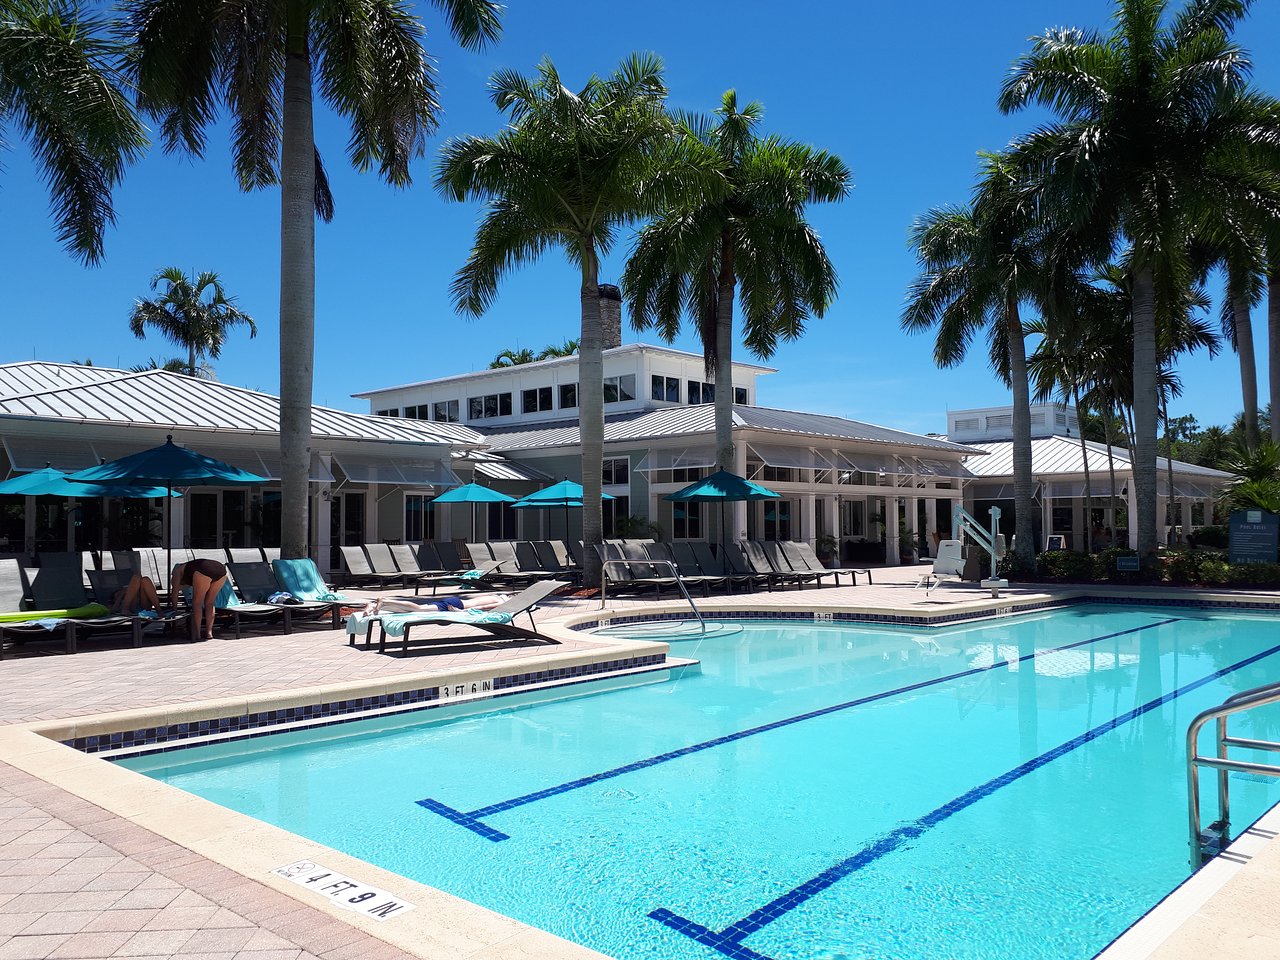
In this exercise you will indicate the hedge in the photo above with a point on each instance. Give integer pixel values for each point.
(1183, 567)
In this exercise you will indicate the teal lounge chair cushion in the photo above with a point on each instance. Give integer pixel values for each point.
(302, 579)
(395, 624)
(226, 597)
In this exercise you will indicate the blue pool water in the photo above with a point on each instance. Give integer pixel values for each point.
(1012, 788)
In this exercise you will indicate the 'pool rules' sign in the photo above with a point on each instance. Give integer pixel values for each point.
(343, 891)
(1253, 536)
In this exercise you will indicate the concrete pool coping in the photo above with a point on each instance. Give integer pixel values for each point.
(444, 927)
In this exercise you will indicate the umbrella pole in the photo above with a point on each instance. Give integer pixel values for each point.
(168, 537)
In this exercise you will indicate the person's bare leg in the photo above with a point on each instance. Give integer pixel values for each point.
(210, 602)
(199, 592)
(147, 595)
(129, 602)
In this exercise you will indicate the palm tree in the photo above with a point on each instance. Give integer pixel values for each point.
(512, 358)
(60, 87)
(567, 173)
(979, 266)
(195, 314)
(257, 60)
(552, 352)
(172, 365)
(1157, 136)
(751, 242)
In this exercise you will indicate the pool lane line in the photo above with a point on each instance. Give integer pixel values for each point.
(728, 940)
(471, 820)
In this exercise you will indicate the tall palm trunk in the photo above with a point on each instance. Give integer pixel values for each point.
(1088, 478)
(1023, 482)
(727, 288)
(1273, 343)
(1145, 407)
(1243, 325)
(591, 414)
(297, 285)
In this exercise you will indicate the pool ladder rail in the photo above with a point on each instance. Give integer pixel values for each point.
(1206, 843)
(604, 583)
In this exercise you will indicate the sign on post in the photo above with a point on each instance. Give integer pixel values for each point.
(1253, 536)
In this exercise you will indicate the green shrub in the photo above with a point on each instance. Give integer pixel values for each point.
(1253, 574)
(1211, 537)
(1066, 565)
(1186, 566)
(1215, 570)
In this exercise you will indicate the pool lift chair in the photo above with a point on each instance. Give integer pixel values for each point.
(950, 560)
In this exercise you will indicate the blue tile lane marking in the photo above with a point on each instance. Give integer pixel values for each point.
(471, 820)
(728, 941)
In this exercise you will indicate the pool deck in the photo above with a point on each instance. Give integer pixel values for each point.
(96, 864)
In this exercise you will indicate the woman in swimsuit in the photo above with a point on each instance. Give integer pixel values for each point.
(138, 595)
(205, 578)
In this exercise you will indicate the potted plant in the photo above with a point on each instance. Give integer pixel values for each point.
(827, 548)
(906, 545)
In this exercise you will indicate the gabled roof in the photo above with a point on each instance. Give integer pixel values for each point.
(36, 376)
(162, 399)
(698, 419)
(1062, 456)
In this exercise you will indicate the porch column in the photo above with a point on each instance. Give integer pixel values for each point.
(931, 519)
(808, 518)
(890, 526)
(1046, 522)
(913, 520)
(1186, 516)
(177, 522)
(738, 511)
(1079, 522)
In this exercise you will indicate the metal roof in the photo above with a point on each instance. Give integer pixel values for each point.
(700, 419)
(36, 376)
(162, 399)
(1061, 456)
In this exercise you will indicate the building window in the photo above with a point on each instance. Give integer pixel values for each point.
(493, 405)
(1000, 420)
(780, 474)
(686, 520)
(568, 396)
(445, 411)
(967, 423)
(502, 522)
(619, 389)
(777, 520)
(619, 508)
(535, 400)
(393, 412)
(700, 392)
(419, 518)
(740, 395)
(666, 388)
(678, 475)
(615, 471)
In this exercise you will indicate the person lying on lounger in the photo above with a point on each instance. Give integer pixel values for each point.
(382, 605)
(136, 597)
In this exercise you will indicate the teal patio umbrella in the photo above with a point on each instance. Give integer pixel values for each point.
(50, 482)
(168, 465)
(473, 493)
(722, 487)
(565, 494)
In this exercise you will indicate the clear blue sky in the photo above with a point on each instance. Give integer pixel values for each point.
(904, 92)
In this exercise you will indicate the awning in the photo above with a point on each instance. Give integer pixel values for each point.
(399, 471)
(794, 458)
(507, 470)
(1002, 491)
(1182, 489)
(32, 453)
(943, 468)
(676, 458)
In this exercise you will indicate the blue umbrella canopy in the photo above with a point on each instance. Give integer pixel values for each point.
(724, 486)
(49, 482)
(566, 493)
(171, 465)
(473, 493)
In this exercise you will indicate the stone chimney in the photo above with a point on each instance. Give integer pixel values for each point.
(610, 315)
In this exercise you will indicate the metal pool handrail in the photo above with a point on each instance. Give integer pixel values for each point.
(604, 583)
(1237, 703)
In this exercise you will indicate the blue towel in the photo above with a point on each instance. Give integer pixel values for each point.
(302, 579)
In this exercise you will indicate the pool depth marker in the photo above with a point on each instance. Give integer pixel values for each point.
(729, 940)
(471, 820)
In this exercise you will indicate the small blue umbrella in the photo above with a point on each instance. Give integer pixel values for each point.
(722, 487)
(50, 482)
(170, 465)
(566, 494)
(473, 493)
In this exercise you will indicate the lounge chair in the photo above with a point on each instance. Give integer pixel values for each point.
(805, 550)
(359, 570)
(759, 563)
(681, 554)
(800, 563)
(416, 561)
(448, 555)
(244, 555)
(948, 563)
(721, 565)
(498, 622)
(66, 609)
(258, 580)
(555, 559)
(479, 553)
(636, 574)
(781, 562)
(740, 563)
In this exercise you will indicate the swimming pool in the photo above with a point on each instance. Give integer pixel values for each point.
(1008, 788)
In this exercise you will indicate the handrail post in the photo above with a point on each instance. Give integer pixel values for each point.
(675, 573)
(1224, 795)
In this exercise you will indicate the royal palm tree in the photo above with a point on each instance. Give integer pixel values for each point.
(979, 266)
(751, 243)
(554, 351)
(60, 88)
(195, 314)
(567, 173)
(511, 358)
(262, 61)
(1157, 137)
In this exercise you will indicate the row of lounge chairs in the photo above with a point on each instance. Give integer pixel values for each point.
(634, 566)
(152, 562)
(499, 564)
